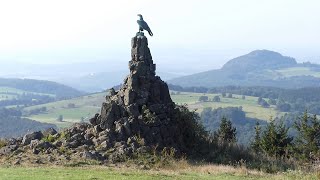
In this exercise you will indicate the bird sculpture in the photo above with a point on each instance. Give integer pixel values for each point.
(143, 25)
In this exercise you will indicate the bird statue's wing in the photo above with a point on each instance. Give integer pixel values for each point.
(144, 25)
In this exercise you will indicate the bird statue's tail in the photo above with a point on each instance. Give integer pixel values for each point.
(150, 33)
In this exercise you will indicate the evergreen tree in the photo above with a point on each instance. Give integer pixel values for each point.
(226, 132)
(259, 100)
(308, 139)
(216, 99)
(203, 98)
(275, 140)
(256, 144)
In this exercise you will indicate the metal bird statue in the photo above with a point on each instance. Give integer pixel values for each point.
(143, 25)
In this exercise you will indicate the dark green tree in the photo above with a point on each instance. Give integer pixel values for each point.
(216, 99)
(264, 104)
(308, 139)
(256, 144)
(60, 118)
(275, 140)
(203, 98)
(226, 132)
(272, 101)
(283, 106)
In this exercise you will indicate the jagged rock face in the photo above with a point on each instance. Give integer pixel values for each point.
(143, 106)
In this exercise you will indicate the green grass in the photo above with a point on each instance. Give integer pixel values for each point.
(102, 172)
(85, 107)
(87, 173)
(298, 71)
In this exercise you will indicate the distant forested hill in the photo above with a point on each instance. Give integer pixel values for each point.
(41, 86)
(12, 125)
(258, 68)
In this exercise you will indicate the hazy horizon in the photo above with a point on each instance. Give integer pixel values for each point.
(42, 32)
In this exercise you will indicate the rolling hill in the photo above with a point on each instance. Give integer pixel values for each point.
(60, 91)
(258, 68)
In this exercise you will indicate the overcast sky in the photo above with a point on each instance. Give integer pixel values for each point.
(67, 31)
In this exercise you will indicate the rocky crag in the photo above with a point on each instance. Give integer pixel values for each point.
(139, 118)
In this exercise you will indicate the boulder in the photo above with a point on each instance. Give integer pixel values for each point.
(49, 131)
(31, 136)
(8, 149)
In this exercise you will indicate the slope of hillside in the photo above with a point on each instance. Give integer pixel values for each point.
(40, 86)
(258, 68)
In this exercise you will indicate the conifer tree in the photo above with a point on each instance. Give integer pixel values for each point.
(256, 144)
(226, 132)
(308, 139)
(275, 140)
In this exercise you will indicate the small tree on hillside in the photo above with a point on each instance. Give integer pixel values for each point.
(308, 139)
(203, 98)
(223, 94)
(226, 132)
(216, 99)
(283, 106)
(229, 95)
(60, 118)
(264, 104)
(272, 101)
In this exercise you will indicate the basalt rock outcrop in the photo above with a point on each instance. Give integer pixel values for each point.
(142, 107)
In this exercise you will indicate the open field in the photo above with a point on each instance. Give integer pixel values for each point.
(86, 106)
(104, 172)
(298, 71)
(249, 104)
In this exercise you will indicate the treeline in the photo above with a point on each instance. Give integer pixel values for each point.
(40, 86)
(275, 141)
(257, 91)
(272, 148)
(27, 99)
(210, 119)
(286, 100)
